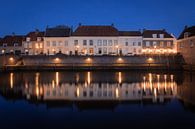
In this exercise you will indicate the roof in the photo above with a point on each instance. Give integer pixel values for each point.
(130, 33)
(11, 39)
(59, 31)
(190, 30)
(149, 33)
(33, 35)
(96, 31)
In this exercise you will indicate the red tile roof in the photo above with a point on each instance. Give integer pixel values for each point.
(96, 31)
(190, 30)
(149, 33)
(130, 33)
(10, 40)
(34, 35)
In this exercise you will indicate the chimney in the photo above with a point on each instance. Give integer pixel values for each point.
(112, 24)
(80, 24)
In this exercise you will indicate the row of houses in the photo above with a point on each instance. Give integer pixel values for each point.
(90, 40)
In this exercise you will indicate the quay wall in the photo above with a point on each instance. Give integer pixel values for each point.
(92, 62)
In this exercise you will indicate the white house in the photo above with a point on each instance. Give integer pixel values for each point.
(56, 40)
(105, 40)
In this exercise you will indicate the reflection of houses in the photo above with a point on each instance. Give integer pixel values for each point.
(33, 44)
(11, 44)
(158, 42)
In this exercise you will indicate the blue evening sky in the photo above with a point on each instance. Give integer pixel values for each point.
(22, 16)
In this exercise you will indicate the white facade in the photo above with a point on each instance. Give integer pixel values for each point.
(54, 45)
(130, 45)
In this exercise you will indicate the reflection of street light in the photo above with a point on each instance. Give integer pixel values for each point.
(88, 59)
(150, 60)
(57, 59)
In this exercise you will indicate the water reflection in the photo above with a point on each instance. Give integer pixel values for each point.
(125, 87)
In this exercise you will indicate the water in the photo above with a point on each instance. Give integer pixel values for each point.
(55, 100)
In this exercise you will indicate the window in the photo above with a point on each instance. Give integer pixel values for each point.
(15, 44)
(91, 42)
(66, 43)
(99, 43)
(154, 35)
(99, 50)
(134, 43)
(105, 42)
(60, 43)
(38, 39)
(139, 43)
(147, 43)
(76, 42)
(161, 35)
(84, 42)
(181, 45)
(54, 43)
(41, 45)
(168, 44)
(115, 42)
(144, 44)
(186, 34)
(5, 45)
(48, 43)
(151, 44)
(110, 42)
(105, 50)
(28, 39)
(191, 43)
(161, 44)
(126, 43)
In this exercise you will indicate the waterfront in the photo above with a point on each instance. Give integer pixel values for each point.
(97, 99)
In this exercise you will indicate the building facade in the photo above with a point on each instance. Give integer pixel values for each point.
(158, 42)
(56, 40)
(12, 44)
(186, 44)
(33, 43)
(105, 40)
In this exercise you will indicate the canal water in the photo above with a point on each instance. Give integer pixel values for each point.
(97, 99)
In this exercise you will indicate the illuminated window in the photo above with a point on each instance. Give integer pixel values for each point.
(28, 39)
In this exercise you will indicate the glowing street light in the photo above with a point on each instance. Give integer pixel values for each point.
(11, 59)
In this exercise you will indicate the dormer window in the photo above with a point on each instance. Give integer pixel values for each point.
(28, 39)
(15, 44)
(5, 45)
(161, 35)
(186, 34)
(38, 39)
(154, 35)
